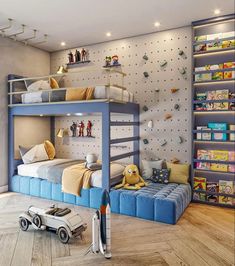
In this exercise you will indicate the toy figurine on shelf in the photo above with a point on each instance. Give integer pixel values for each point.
(77, 56)
(81, 127)
(73, 128)
(88, 128)
(71, 58)
(115, 60)
(108, 60)
(83, 55)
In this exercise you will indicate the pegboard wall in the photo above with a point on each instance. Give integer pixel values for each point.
(168, 138)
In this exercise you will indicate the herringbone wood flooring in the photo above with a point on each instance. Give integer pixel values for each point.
(203, 236)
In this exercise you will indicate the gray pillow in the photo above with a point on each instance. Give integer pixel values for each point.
(147, 167)
(94, 166)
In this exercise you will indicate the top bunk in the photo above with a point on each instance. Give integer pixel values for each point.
(70, 90)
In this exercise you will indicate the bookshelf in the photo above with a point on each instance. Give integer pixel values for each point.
(203, 55)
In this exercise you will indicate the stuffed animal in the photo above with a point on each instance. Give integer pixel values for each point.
(132, 178)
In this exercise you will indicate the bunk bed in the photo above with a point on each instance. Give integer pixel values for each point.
(164, 203)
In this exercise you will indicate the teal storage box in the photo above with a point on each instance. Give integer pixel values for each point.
(218, 126)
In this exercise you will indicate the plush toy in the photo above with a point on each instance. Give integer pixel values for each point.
(132, 178)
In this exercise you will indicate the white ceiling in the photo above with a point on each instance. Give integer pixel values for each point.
(82, 22)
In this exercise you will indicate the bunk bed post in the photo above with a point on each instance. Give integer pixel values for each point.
(136, 132)
(10, 147)
(106, 148)
(52, 126)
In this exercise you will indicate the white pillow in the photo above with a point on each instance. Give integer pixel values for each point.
(39, 85)
(36, 154)
(147, 167)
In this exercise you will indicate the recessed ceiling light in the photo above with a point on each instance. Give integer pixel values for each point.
(157, 24)
(108, 34)
(68, 114)
(62, 43)
(41, 114)
(217, 11)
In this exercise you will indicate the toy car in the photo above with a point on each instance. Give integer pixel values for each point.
(65, 222)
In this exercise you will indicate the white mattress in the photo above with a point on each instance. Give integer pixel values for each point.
(31, 170)
(100, 92)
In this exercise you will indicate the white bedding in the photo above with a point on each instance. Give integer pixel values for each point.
(101, 92)
(31, 170)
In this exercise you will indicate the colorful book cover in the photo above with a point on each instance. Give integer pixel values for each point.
(218, 75)
(218, 126)
(211, 96)
(203, 165)
(205, 135)
(214, 45)
(199, 183)
(219, 167)
(232, 135)
(212, 187)
(229, 65)
(219, 155)
(221, 95)
(198, 69)
(200, 38)
(212, 198)
(231, 156)
(231, 168)
(199, 135)
(217, 66)
(203, 77)
(228, 44)
(200, 97)
(199, 196)
(214, 36)
(226, 187)
(200, 48)
(203, 154)
(229, 74)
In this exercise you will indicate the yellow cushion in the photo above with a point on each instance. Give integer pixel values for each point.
(75, 94)
(54, 84)
(50, 149)
(179, 173)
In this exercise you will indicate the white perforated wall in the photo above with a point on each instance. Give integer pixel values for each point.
(153, 91)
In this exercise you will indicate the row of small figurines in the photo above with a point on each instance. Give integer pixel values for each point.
(78, 129)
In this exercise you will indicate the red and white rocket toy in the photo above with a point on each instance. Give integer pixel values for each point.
(101, 228)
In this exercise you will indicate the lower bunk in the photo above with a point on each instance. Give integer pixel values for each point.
(156, 202)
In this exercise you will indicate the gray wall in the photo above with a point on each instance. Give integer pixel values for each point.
(19, 59)
(158, 47)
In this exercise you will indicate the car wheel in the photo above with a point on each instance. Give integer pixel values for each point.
(24, 224)
(37, 221)
(63, 235)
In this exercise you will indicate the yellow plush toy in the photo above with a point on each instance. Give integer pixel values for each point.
(132, 178)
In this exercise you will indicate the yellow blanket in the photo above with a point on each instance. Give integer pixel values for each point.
(79, 94)
(75, 178)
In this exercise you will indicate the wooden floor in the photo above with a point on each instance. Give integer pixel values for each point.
(203, 236)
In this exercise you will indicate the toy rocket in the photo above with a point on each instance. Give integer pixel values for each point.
(101, 228)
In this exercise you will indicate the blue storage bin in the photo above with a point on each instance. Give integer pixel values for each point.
(46, 189)
(84, 200)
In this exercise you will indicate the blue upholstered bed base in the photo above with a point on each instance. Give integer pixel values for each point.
(156, 202)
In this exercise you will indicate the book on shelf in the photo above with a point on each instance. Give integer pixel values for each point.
(219, 155)
(221, 95)
(217, 75)
(199, 183)
(212, 187)
(203, 77)
(200, 38)
(226, 187)
(229, 65)
(228, 44)
(232, 135)
(199, 196)
(199, 135)
(217, 167)
(231, 157)
(218, 126)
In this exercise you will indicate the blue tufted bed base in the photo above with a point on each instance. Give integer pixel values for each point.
(156, 202)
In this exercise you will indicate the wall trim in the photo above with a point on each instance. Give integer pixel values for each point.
(3, 189)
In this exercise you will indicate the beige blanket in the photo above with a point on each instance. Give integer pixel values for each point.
(79, 94)
(75, 178)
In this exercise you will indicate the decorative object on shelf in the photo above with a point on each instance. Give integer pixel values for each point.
(62, 133)
(108, 60)
(115, 60)
(163, 142)
(163, 63)
(146, 74)
(167, 116)
(174, 90)
(145, 57)
(145, 141)
(81, 127)
(177, 107)
(77, 56)
(88, 128)
(175, 160)
(132, 179)
(73, 128)
(180, 140)
(71, 58)
(150, 124)
(84, 55)
(61, 70)
(145, 108)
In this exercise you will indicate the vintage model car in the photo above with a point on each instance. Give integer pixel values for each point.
(65, 222)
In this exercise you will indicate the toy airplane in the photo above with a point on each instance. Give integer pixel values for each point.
(101, 228)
